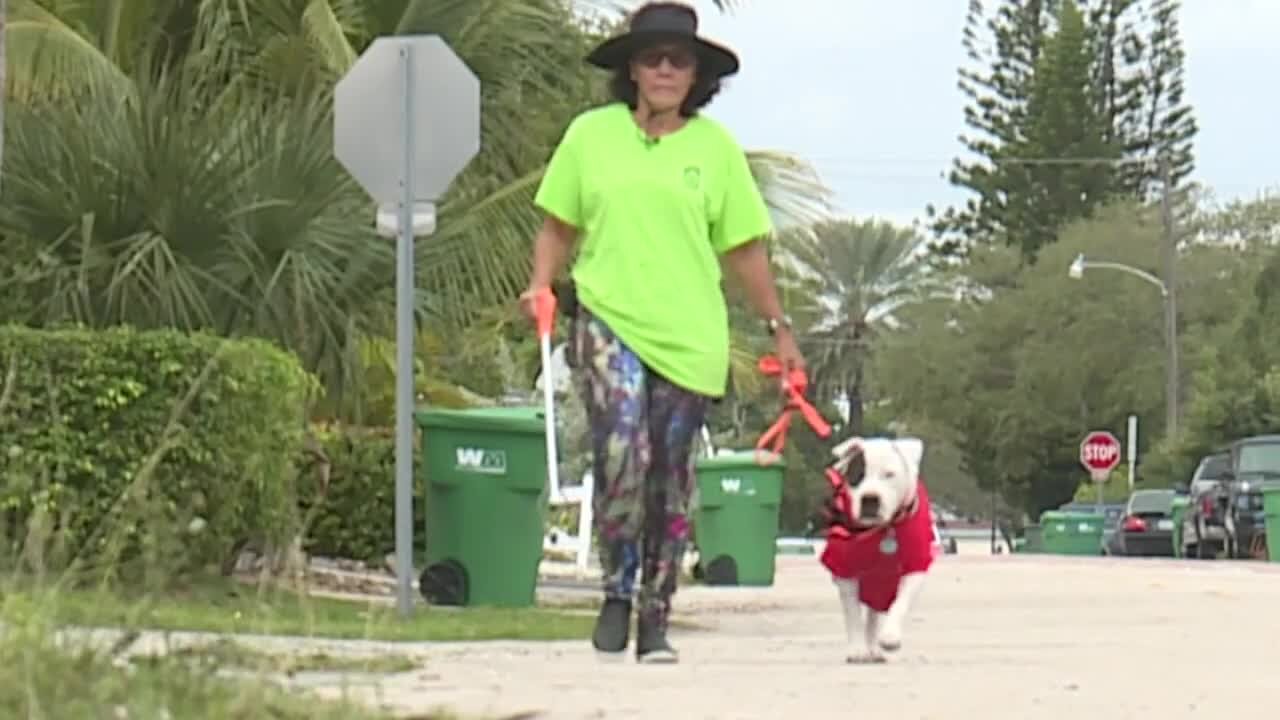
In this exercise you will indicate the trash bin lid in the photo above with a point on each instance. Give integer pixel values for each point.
(523, 420)
(1067, 516)
(736, 460)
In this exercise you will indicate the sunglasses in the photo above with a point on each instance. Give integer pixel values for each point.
(680, 58)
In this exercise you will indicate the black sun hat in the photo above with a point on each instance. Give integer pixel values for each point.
(658, 22)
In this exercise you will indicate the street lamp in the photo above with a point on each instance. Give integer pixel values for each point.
(1076, 271)
(1078, 266)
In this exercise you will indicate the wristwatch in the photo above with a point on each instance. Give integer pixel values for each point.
(774, 323)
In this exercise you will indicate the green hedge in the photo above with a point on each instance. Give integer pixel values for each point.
(164, 447)
(353, 517)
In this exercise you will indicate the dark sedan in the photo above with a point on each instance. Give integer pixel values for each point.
(1147, 527)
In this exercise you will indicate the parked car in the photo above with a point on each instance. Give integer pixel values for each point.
(1111, 540)
(1254, 460)
(1204, 532)
(1146, 529)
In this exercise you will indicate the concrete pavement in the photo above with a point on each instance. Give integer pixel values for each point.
(1017, 637)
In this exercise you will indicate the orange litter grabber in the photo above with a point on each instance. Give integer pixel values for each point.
(544, 310)
(794, 386)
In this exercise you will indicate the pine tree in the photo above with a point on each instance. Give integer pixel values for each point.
(4, 83)
(1166, 124)
(1065, 126)
(1117, 46)
(1005, 48)
(1115, 77)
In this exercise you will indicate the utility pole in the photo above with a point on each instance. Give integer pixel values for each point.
(995, 515)
(1170, 248)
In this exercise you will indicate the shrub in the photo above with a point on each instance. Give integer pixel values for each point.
(351, 512)
(161, 447)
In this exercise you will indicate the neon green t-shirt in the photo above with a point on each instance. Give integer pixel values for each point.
(653, 218)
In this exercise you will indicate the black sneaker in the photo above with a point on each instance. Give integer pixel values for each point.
(613, 626)
(652, 645)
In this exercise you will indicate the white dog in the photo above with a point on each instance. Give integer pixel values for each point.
(880, 540)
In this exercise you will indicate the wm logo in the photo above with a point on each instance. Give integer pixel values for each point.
(731, 485)
(480, 460)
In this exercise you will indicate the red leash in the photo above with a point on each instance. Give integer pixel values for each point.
(794, 386)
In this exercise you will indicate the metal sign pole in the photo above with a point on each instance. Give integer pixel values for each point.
(375, 136)
(404, 353)
(1133, 448)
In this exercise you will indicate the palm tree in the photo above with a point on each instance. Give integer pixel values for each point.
(171, 210)
(528, 56)
(172, 160)
(849, 278)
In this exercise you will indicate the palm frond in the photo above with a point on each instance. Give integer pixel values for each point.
(48, 56)
(791, 188)
(850, 279)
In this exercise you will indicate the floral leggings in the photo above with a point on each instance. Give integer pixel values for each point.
(642, 434)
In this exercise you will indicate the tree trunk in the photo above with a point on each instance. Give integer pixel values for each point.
(854, 397)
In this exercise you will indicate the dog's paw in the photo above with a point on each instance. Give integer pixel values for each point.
(869, 658)
(890, 638)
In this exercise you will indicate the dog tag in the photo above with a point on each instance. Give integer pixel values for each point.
(889, 545)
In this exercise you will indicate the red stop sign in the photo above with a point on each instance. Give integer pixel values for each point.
(1100, 451)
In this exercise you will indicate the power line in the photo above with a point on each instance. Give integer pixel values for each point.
(905, 160)
(938, 169)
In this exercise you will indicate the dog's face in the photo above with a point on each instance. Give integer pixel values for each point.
(882, 476)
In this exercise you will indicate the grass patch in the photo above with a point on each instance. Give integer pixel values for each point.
(230, 607)
(41, 682)
(227, 653)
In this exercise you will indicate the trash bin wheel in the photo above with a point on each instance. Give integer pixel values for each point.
(722, 570)
(444, 583)
(1258, 547)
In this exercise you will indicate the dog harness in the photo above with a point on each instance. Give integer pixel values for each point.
(877, 558)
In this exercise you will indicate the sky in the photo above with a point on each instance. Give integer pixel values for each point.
(866, 91)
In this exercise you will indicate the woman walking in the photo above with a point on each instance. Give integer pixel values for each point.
(656, 197)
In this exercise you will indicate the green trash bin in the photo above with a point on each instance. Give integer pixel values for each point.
(1071, 533)
(485, 474)
(736, 520)
(1271, 509)
(1179, 512)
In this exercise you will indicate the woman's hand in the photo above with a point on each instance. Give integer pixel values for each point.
(788, 353)
(529, 302)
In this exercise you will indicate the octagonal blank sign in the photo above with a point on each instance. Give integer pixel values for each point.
(443, 95)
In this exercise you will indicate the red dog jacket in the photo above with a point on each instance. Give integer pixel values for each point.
(878, 558)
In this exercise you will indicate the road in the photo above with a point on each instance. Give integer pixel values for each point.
(1017, 637)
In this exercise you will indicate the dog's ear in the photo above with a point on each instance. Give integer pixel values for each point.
(849, 447)
(845, 453)
(912, 449)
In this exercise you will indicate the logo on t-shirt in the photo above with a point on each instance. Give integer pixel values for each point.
(693, 177)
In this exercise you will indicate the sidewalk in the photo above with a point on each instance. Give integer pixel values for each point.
(1012, 637)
